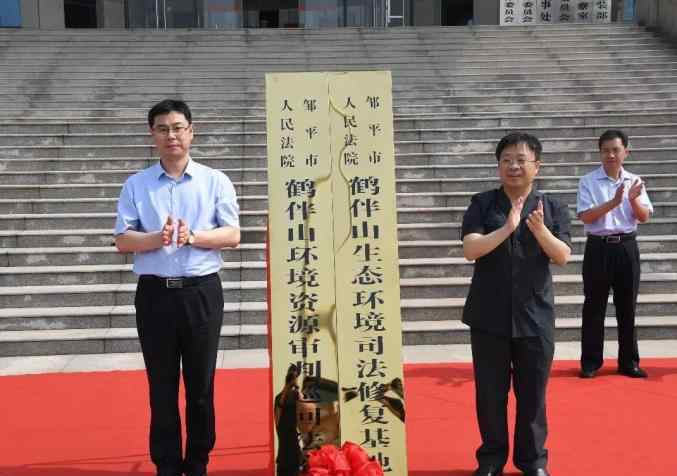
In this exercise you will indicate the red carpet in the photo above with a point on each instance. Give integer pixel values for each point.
(95, 424)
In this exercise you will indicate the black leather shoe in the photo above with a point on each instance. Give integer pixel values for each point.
(633, 372)
(488, 471)
(537, 472)
(587, 373)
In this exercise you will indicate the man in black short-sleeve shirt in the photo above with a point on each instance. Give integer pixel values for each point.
(513, 233)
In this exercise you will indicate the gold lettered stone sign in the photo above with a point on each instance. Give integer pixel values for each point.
(334, 300)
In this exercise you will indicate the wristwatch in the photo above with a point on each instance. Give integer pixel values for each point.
(191, 238)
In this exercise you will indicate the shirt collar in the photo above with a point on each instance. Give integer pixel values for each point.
(529, 203)
(158, 171)
(601, 174)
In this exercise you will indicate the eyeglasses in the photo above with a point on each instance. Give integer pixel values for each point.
(176, 130)
(519, 162)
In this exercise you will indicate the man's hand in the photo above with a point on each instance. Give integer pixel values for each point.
(168, 232)
(535, 219)
(635, 189)
(513, 220)
(618, 196)
(183, 233)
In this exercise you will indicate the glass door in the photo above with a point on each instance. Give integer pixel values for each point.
(162, 14)
(181, 14)
(395, 12)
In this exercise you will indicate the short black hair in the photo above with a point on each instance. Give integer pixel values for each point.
(165, 107)
(612, 134)
(515, 138)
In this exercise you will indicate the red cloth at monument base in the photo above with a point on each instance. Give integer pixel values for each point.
(349, 460)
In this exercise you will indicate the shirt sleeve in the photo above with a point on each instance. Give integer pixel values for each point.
(473, 221)
(584, 199)
(644, 199)
(128, 215)
(561, 223)
(227, 209)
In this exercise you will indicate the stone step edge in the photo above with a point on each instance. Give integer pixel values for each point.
(399, 155)
(264, 170)
(262, 285)
(86, 120)
(6, 270)
(506, 92)
(484, 142)
(252, 183)
(475, 115)
(145, 134)
(394, 64)
(263, 211)
(262, 246)
(399, 92)
(106, 215)
(400, 226)
(243, 213)
(458, 193)
(605, 102)
(262, 330)
(430, 303)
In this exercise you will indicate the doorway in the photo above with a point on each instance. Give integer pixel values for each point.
(457, 12)
(80, 13)
(164, 13)
(271, 13)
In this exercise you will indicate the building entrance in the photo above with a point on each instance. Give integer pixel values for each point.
(456, 12)
(80, 13)
(441, 12)
(164, 13)
(271, 13)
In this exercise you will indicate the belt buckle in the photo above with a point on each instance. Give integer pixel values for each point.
(613, 239)
(173, 283)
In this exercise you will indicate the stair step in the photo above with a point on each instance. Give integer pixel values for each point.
(252, 336)
(256, 270)
(44, 296)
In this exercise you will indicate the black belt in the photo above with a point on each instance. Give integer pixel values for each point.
(613, 239)
(177, 283)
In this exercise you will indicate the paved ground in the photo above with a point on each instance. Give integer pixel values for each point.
(258, 358)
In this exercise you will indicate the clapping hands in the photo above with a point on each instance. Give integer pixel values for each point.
(535, 219)
(168, 232)
(635, 189)
(513, 220)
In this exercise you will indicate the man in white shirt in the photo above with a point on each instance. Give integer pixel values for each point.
(611, 202)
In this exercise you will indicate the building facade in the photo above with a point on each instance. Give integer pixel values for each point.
(161, 14)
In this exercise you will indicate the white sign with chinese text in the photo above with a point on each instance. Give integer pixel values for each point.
(524, 12)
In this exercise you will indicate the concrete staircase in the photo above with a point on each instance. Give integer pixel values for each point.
(73, 128)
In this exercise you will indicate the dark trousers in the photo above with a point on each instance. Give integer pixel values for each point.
(609, 266)
(180, 326)
(527, 360)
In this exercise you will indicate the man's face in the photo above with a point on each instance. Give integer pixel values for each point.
(612, 154)
(172, 135)
(517, 166)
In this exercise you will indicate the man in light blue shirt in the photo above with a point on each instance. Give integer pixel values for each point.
(611, 202)
(175, 217)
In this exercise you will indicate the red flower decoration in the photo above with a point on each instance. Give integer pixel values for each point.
(355, 455)
(372, 468)
(349, 460)
(317, 472)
